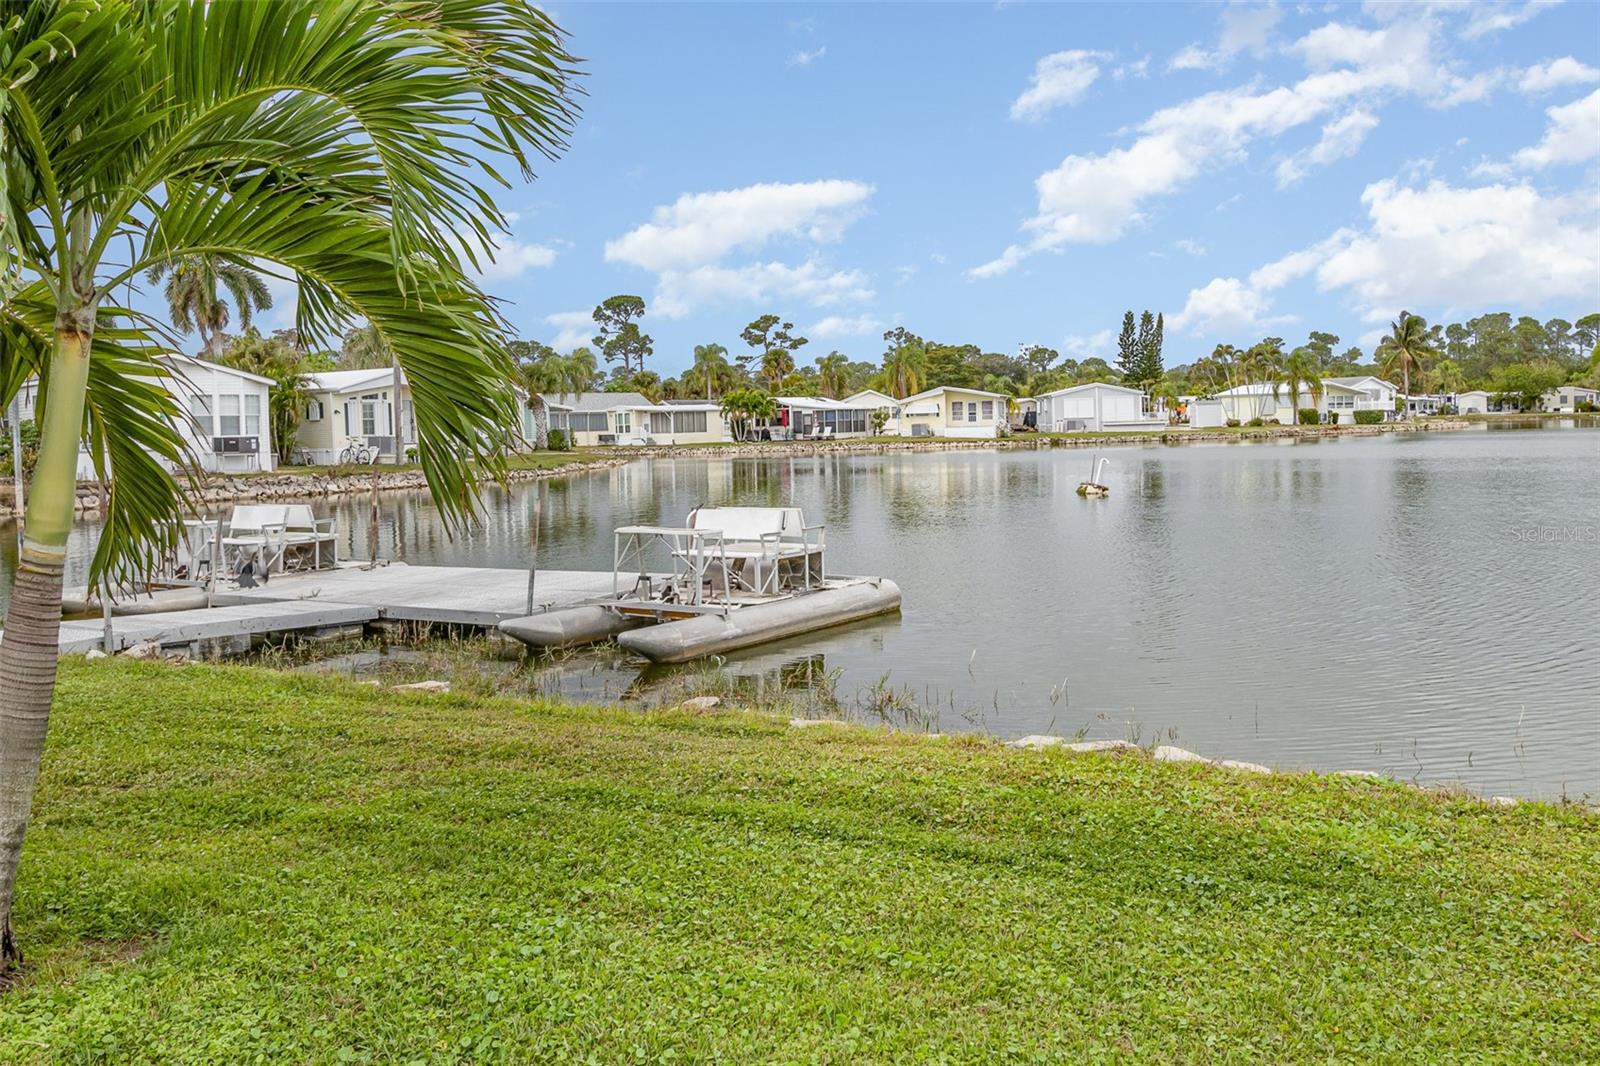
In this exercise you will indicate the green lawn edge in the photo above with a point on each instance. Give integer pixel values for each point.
(229, 863)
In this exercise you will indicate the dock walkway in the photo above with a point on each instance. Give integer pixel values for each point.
(349, 594)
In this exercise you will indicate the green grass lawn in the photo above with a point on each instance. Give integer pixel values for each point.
(229, 864)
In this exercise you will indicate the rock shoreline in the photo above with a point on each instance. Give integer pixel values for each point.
(286, 485)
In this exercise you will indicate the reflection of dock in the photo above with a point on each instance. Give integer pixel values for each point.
(348, 595)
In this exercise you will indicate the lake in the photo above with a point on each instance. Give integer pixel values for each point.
(1424, 605)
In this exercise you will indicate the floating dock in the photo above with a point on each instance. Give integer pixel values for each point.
(350, 594)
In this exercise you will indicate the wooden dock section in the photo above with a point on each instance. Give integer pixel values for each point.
(350, 594)
(213, 624)
(456, 595)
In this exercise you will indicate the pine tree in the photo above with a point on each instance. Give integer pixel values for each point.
(1127, 347)
(1150, 365)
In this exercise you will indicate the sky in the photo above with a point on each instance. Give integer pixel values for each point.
(1009, 174)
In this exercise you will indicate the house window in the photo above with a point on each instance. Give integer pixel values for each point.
(972, 411)
(313, 410)
(252, 416)
(1341, 403)
(228, 416)
(200, 408)
(688, 421)
(661, 422)
(956, 410)
(988, 410)
(624, 422)
(369, 416)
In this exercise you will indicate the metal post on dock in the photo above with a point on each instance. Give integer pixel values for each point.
(533, 555)
(372, 531)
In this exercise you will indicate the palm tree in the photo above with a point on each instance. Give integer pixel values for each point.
(906, 366)
(1260, 365)
(711, 371)
(364, 348)
(1446, 377)
(194, 303)
(833, 375)
(775, 366)
(1407, 348)
(333, 140)
(272, 357)
(547, 372)
(1299, 371)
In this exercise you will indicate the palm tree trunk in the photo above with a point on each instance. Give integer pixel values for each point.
(541, 424)
(28, 647)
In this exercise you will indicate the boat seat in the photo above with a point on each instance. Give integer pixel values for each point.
(270, 530)
(764, 538)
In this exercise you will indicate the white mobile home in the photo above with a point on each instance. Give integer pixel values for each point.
(1472, 402)
(229, 427)
(1341, 398)
(873, 400)
(946, 411)
(347, 409)
(1569, 398)
(1100, 407)
(225, 423)
(592, 418)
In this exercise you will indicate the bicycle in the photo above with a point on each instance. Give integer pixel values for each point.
(359, 454)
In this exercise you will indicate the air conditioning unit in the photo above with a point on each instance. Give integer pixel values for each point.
(236, 445)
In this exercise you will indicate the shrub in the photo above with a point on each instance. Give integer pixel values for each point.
(411, 453)
(1233, 423)
(1584, 407)
(28, 431)
(1369, 418)
(1255, 422)
(1308, 416)
(558, 441)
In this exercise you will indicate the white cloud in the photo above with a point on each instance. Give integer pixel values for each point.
(1436, 245)
(1080, 347)
(513, 258)
(1137, 68)
(685, 244)
(700, 228)
(1486, 18)
(1097, 198)
(803, 58)
(1340, 138)
(1222, 305)
(841, 326)
(1246, 27)
(1572, 136)
(1194, 248)
(575, 329)
(680, 292)
(1059, 79)
(1556, 74)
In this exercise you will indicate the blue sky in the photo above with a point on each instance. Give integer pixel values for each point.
(1022, 173)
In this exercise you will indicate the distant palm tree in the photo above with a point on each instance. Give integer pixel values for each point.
(1299, 371)
(833, 375)
(550, 373)
(1407, 348)
(195, 305)
(364, 348)
(906, 367)
(775, 366)
(711, 370)
(1446, 377)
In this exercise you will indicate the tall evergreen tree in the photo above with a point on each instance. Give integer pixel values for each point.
(1151, 369)
(1127, 347)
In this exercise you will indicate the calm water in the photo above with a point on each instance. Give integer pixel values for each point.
(1426, 606)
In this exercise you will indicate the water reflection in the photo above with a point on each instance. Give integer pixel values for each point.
(1364, 603)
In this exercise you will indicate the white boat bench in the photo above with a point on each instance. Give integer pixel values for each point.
(773, 546)
(278, 535)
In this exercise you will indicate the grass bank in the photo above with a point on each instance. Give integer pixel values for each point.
(233, 864)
